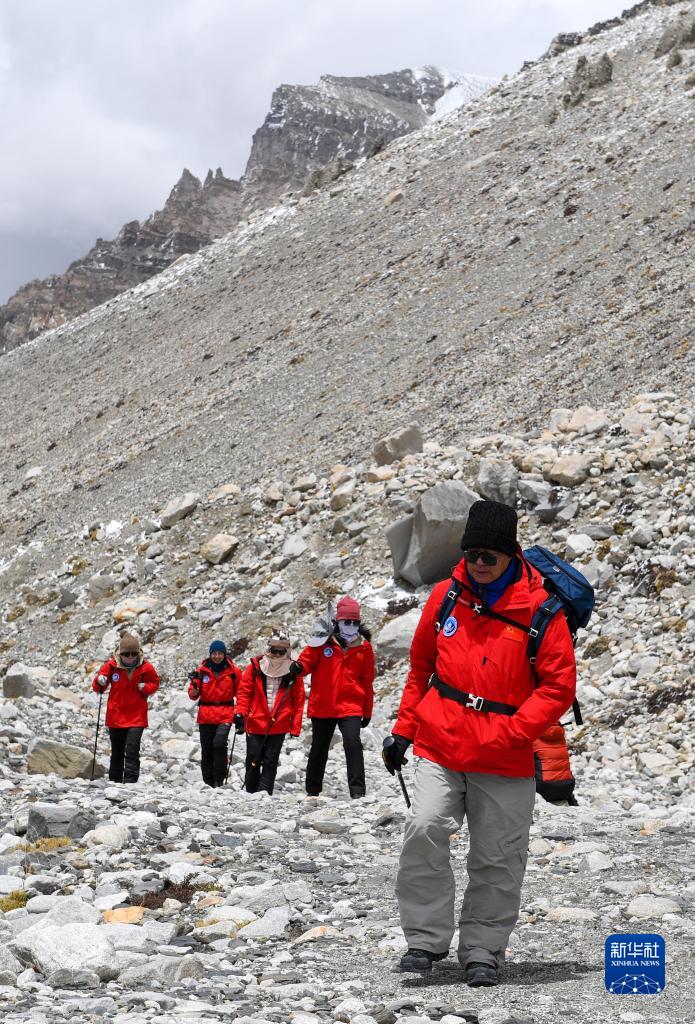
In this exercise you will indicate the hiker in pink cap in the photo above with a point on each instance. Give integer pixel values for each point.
(340, 660)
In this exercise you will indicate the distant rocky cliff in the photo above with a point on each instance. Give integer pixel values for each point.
(192, 216)
(308, 128)
(342, 119)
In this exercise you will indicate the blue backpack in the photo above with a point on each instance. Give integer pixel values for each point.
(569, 592)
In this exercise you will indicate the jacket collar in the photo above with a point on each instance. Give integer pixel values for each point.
(517, 595)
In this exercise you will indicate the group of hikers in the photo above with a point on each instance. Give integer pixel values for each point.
(265, 701)
(492, 670)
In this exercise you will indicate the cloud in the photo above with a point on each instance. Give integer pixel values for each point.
(102, 105)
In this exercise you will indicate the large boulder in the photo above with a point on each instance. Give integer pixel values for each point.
(395, 638)
(219, 548)
(24, 681)
(437, 527)
(46, 757)
(130, 608)
(55, 820)
(71, 947)
(10, 967)
(166, 970)
(403, 442)
(271, 926)
(570, 470)
(178, 508)
(498, 481)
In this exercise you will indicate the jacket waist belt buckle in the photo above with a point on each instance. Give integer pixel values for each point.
(474, 702)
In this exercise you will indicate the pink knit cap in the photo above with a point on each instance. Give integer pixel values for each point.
(348, 608)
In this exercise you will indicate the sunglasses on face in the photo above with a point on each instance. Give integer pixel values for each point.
(128, 655)
(351, 622)
(277, 651)
(473, 555)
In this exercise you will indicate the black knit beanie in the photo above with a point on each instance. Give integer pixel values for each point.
(491, 525)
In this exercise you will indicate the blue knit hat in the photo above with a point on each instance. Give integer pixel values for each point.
(218, 645)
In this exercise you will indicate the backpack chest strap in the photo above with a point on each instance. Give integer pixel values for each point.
(470, 700)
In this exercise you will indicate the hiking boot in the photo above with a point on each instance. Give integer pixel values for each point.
(479, 975)
(420, 961)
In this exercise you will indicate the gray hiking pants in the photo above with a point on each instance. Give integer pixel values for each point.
(499, 810)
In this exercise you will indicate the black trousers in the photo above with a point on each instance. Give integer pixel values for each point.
(125, 754)
(322, 730)
(265, 752)
(213, 752)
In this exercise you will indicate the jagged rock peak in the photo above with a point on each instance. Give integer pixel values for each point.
(187, 183)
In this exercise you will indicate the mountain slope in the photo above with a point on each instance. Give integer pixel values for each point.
(308, 128)
(519, 255)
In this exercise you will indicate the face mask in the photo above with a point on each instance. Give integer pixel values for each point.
(347, 633)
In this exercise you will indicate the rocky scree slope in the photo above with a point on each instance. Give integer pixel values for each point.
(284, 910)
(312, 134)
(517, 255)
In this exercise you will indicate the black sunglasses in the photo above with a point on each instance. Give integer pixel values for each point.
(129, 654)
(277, 651)
(351, 622)
(473, 555)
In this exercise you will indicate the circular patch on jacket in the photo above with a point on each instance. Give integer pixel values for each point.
(115, 677)
(328, 652)
(450, 626)
(206, 679)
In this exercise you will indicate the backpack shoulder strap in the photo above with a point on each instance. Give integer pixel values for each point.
(449, 603)
(540, 622)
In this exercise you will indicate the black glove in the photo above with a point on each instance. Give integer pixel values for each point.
(194, 677)
(393, 752)
(364, 722)
(295, 669)
(239, 724)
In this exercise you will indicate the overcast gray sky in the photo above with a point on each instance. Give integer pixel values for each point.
(103, 102)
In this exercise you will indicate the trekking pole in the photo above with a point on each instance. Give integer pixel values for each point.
(96, 738)
(388, 742)
(404, 791)
(231, 755)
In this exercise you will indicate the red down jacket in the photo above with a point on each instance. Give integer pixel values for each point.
(342, 679)
(127, 705)
(216, 692)
(487, 658)
(252, 703)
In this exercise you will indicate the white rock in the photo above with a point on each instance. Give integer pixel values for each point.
(179, 749)
(577, 914)
(281, 600)
(570, 470)
(113, 836)
(271, 925)
(578, 545)
(650, 906)
(348, 1008)
(178, 508)
(128, 937)
(395, 638)
(219, 548)
(68, 947)
(294, 546)
(342, 496)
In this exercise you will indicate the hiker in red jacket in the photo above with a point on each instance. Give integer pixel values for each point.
(341, 666)
(270, 704)
(214, 685)
(130, 680)
(472, 706)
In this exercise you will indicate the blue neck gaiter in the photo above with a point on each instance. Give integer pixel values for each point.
(492, 592)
